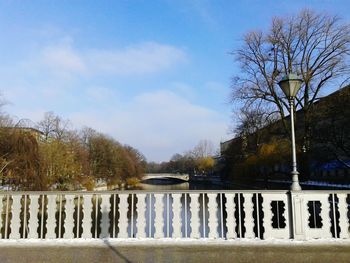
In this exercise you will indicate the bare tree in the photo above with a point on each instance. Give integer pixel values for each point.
(251, 120)
(251, 124)
(53, 126)
(204, 148)
(314, 45)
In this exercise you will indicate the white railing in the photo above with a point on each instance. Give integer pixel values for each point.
(175, 214)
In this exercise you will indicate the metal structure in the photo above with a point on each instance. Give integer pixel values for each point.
(290, 85)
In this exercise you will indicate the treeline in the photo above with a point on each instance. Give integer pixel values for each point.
(50, 156)
(199, 160)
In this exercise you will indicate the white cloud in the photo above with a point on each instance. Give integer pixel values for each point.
(159, 123)
(149, 57)
(143, 58)
(184, 89)
(62, 59)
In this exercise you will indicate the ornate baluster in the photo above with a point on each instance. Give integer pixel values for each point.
(249, 219)
(87, 221)
(213, 219)
(177, 215)
(326, 219)
(159, 220)
(195, 221)
(69, 220)
(33, 216)
(51, 213)
(230, 219)
(141, 212)
(343, 216)
(105, 209)
(15, 222)
(123, 215)
(267, 220)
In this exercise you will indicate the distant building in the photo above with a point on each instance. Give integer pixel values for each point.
(38, 135)
(331, 116)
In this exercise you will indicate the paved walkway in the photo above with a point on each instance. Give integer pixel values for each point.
(174, 251)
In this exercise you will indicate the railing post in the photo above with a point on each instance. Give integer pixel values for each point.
(298, 215)
(283, 232)
(343, 217)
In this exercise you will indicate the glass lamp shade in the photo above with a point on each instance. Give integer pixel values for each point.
(290, 85)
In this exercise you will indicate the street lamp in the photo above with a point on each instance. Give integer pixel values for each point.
(290, 85)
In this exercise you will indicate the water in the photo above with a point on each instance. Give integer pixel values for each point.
(247, 185)
(163, 187)
(185, 186)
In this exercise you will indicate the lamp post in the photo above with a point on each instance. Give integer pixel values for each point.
(290, 85)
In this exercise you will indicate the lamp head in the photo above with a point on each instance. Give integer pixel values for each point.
(290, 84)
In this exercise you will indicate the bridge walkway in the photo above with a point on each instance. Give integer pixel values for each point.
(215, 251)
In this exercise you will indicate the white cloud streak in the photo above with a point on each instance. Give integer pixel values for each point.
(160, 123)
(143, 58)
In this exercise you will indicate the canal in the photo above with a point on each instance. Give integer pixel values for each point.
(169, 185)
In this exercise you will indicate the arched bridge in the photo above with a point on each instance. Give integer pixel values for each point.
(166, 176)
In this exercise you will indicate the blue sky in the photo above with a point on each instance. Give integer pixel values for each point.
(152, 74)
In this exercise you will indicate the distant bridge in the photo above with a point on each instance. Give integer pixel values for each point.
(166, 176)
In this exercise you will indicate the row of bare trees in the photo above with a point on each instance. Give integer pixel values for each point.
(198, 160)
(50, 155)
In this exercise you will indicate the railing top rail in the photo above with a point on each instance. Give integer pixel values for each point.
(309, 192)
(139, 192)
(321, 192)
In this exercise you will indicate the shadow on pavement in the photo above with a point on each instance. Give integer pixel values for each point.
(121, 256)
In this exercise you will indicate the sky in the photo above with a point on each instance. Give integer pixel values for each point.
(153, 74)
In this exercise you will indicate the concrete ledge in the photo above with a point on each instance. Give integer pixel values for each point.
(174, 250)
